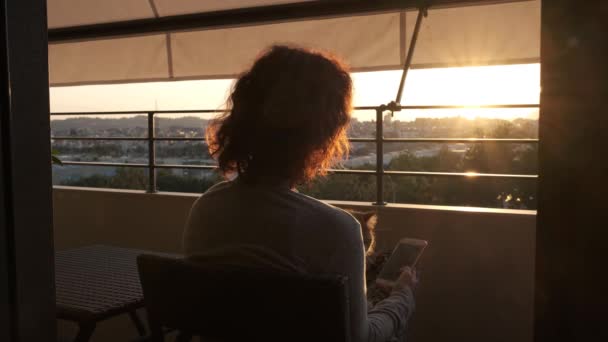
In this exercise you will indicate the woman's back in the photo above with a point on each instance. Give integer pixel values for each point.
(303, 230)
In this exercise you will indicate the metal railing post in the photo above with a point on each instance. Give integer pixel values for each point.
(379, 157)
(422, 12)
(151, 154)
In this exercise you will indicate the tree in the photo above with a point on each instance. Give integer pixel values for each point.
(170, 182)
(129, 178)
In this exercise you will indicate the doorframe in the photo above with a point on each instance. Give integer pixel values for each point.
(571, 297)
(27, 290)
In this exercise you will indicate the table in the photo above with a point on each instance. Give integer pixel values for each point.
(98, 282)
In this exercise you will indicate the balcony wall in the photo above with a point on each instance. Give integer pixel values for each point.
(476, 275)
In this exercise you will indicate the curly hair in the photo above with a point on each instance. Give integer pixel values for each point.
(286, 118)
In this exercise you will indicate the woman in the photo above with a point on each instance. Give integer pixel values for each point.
(285, 125)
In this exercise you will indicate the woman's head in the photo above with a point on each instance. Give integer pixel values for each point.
(286, 117)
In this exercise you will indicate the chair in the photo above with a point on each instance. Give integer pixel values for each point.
(231, 303)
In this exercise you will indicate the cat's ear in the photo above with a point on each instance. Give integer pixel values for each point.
(371, 219)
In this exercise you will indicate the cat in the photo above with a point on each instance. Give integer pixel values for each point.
(368, 221)
(374, 259)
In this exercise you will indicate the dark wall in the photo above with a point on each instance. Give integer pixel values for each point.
(476, 275)
(571, 299)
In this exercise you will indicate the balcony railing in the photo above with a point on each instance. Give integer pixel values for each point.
(379, 141)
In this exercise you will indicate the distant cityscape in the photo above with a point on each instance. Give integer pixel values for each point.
(432, 157)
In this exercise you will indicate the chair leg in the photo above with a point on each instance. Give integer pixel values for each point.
(85, 331)
(141, 330)
(156, 331)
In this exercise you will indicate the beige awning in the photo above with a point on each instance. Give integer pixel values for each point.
(472, 35)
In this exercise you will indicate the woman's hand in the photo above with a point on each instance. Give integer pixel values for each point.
(408, 278)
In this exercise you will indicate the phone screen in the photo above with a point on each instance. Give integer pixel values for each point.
(403, 255)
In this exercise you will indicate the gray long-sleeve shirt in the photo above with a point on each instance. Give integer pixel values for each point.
(298, 231)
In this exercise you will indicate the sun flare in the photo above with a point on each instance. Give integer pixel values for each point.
(465, 86)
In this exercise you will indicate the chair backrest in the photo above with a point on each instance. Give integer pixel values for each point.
(243, 304)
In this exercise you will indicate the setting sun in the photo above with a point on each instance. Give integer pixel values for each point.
(467, 86)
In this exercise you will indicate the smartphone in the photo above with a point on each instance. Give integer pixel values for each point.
(406, 253)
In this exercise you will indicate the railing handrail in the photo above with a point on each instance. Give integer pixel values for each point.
(210, 111)
(379, 140)
(369, 140)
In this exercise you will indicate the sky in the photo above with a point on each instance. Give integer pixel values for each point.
(470, 86)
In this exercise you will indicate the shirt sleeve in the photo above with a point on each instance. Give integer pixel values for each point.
(389, 317)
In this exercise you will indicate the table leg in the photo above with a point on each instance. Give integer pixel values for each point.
(141, 330)
(85, 331)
